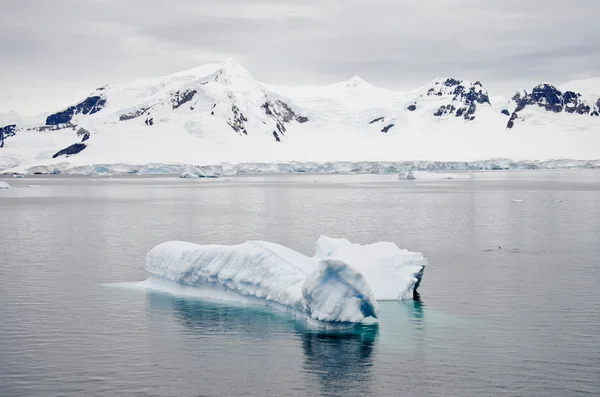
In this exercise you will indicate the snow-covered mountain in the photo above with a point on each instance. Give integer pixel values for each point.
(220, 113)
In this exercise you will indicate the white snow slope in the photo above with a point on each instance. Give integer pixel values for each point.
(339, 284)
(218, 114)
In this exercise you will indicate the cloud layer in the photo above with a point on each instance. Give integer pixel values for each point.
(54, 52)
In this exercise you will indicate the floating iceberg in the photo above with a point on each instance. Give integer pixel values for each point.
(406, 176)
(4, 185)
(340, 284)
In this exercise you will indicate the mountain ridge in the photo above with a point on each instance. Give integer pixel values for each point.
(219, 112)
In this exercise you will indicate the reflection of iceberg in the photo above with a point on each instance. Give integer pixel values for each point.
(333, 286)
(207, 317)
(328, 363)
(340, 363)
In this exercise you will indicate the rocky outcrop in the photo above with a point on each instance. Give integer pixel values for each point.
(85, 134)
(181, 97)
(237, 120)
(551, 99)
(68, 151)
(387, 128)
(463, 98)
(90, 105)
(6, 131)
(133, 114)
(281, 113)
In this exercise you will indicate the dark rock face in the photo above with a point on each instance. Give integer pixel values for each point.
(179, 98)
(551, 99)
(237, 121)
(452, 82)
(376, 120)
(505, 112)
(149, 121)
(73, 149)
(387, 128)
(465, 98)
(282, 114)
(596, 112)
(511, 121)
(445, 109)
(276, 136)
(90, 105)
(133, 114)
(9, 130)
(83, 133)
(6, 131)
(53, 127)
(412, 108)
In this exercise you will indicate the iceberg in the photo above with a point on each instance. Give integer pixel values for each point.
(406, 176)
(391, 272)
(4, 185)
(340, 284)
(325, 291)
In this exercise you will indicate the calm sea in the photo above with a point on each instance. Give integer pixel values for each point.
(510, 301)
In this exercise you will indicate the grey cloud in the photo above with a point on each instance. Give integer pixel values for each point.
(61, 50)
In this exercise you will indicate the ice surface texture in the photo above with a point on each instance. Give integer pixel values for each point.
(340, 284)
(391, 272)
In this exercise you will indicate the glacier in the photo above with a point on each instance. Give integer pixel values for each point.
(4, 185)
(329, 167)
(340, 284)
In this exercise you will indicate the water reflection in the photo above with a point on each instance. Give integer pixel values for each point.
(334, 362)
(209, 317)
(415, 312)
(340, 362)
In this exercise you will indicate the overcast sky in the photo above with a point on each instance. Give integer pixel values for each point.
(53, 53)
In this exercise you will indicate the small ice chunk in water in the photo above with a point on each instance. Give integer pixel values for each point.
(406, 176)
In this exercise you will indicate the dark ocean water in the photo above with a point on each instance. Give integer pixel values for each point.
(520, 320)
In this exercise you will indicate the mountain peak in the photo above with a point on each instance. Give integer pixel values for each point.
(355, 81)
(231, 72)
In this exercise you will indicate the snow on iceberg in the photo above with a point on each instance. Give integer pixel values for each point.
(391, 272)
(324, 290)
(4, 185)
